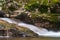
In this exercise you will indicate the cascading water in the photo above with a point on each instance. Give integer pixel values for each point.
(39, 31)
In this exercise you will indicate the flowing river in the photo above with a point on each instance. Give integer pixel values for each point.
(40, 31)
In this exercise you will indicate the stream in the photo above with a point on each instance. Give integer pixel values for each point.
(40, 31)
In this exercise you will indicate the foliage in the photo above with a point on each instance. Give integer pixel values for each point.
(55, 8)
(32, 7)
(43, 8)
(49, 2)
(42, 5)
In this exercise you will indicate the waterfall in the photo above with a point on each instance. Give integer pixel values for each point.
(39, 31)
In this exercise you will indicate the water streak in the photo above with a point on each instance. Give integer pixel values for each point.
(39, 31)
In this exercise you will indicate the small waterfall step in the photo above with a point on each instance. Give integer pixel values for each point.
(35, 29)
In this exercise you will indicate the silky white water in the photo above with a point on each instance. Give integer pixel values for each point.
(39, 31)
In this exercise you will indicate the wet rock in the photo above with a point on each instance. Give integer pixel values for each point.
(17, 33)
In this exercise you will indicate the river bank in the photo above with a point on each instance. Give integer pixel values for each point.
(28, 38)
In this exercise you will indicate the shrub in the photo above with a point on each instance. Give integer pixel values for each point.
(43, 8)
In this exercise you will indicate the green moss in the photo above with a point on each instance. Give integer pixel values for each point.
(47, 16)
(6, 25)
(33, 15)
(52, 17)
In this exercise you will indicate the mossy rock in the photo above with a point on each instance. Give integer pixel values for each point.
(47, 16)
(6, 25)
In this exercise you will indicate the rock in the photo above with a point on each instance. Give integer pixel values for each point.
(58, 18)
(25, 18)
(17, 33)
(2, 14)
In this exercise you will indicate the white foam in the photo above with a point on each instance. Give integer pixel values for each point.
(7, 20)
